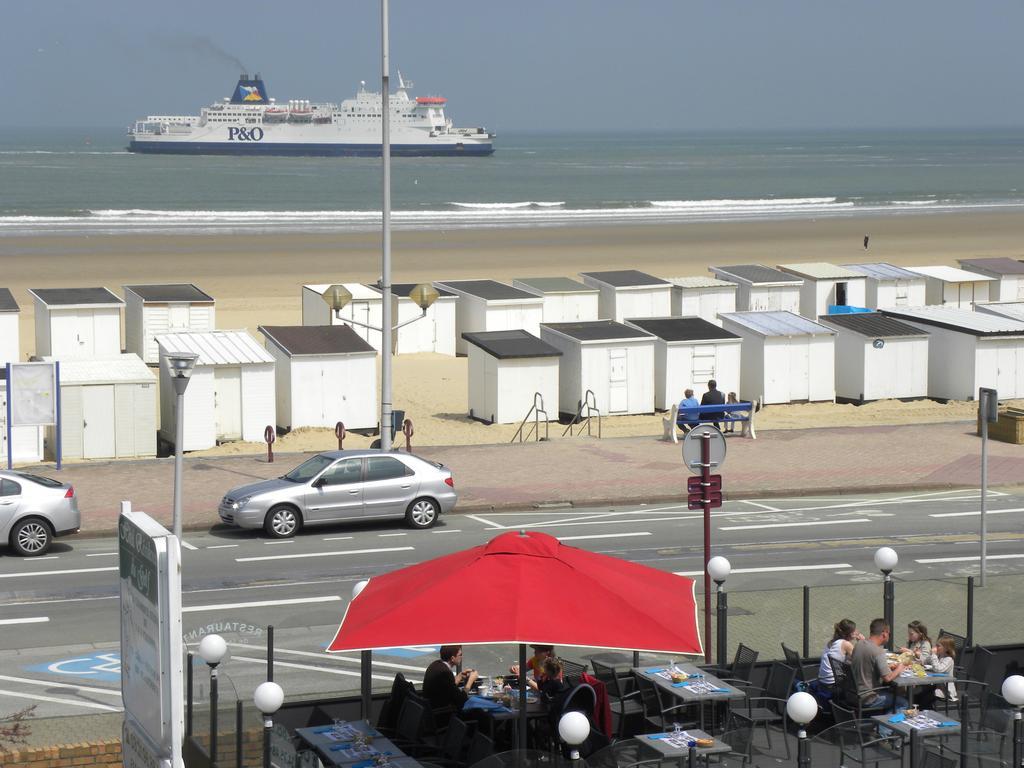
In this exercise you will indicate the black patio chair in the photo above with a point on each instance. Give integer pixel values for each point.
(846, 693)
(572, 670)
(387, 720)
(656, 714)
(449, 752)
(766, 706)
(988, 742)
(623, 699)
(794, 660)
(741, 669)
(480, 748)
(959, 642)
(860, 740)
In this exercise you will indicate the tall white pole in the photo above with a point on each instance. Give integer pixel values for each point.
(179, 441)
(385, 265)
(984, 407)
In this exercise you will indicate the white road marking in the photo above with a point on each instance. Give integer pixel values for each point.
(968, 559)
(51, 684)
(448, 530)
(30, 620)
(603, 536)
(102, 554)
(186, 545)
(777, 568)
(977, 512)
(222, 546)
(323, 554)
(56, 573)
(325, 655)
(484, 520)
(55, 700)
(759, 504)
(40, 559)
(385, 535)
(282, 541)
(261, 604)
(310, 667)
(793, 525)
(337, 538)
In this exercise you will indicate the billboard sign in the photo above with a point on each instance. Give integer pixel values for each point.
(32, 391)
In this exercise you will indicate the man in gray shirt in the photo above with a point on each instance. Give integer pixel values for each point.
(871, 669)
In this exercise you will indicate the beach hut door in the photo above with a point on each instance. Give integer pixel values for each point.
(98, 417)
(799, 370)
(227, 402)
(618, 400)
(703, 364)
(177, 317)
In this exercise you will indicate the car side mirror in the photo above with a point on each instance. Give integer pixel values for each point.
(320, 482)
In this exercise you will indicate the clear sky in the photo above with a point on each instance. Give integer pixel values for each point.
(680, 65)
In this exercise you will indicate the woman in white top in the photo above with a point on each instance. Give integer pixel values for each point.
(840, 647)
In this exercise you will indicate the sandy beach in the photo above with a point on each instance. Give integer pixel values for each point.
(256, 280)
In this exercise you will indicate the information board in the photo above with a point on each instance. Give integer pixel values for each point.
(32, 390)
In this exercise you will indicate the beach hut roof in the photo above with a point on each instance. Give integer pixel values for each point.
(508, 345)
(113, 369)
(777, 323)
(359, 291)
(881, 270)
(402, 290)
(216, 347)
(555, 285)
(7, 302)
(597, 330)
(962, 320)
(757, 274)
(76, 297)
(950, 274)
(874, 325)
(700, 281)
(820, 270)
(296, 340)
(170, 292)
(682, 328)
(1011, 309)
(626, 278)
(1001, 265)
(489, 290)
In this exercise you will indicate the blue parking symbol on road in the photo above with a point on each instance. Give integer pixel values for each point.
(104, 665)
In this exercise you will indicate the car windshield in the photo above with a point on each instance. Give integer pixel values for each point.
(40, 480)
(308, 469)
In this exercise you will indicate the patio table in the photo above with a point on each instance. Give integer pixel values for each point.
(925, 724)
(911, 681)
(665, 745)
(335, 747)
(699, 687)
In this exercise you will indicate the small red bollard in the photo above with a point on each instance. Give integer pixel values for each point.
(269, 436)
(407, 431)
(339, 432)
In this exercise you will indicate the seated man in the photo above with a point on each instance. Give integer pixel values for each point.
(442, 687)
(871, 669)
(688, 419)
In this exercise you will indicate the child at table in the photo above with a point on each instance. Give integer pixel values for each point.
(535, 663)
(941, 658)
(918, 642)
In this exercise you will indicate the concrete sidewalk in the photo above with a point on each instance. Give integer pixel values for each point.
(587, 471)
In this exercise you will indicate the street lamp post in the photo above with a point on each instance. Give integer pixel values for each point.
(885, 560)
(719, 569)
(212, 649)
(268, 699)
(801, 708)
(1013, 692)
(179, 367)
(573, 728)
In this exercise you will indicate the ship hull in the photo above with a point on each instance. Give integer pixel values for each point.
(303, 149)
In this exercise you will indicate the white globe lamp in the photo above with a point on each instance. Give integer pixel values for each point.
(268, 698)
(574, 728)
(719, 569)
(213, 649)
(886, 559)
(358, 587)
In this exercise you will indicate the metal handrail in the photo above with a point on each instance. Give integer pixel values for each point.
(536, 410)
(587, 406)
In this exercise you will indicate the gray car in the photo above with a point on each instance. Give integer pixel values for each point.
(339, 486)
(35, 509)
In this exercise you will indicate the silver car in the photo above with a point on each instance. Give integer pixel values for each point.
(34, 510)
(336, 486)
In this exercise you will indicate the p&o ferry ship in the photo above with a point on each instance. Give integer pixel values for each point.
(251, 123)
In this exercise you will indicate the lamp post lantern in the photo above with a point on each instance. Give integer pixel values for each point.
(886, 560)
(719, 569)
(212, 650)
(1013, 692)
(801, 708)
(268, 698)
(179, 367)
(573, 728)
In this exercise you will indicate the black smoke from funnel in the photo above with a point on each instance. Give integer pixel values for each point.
(201, 46)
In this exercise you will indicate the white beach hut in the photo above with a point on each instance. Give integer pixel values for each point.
(610, 359)
(952, 287)
(152, 310)
(702, 297)
(365, 308)
(762, 289)
(565, 300)
(890, 286)
(108, 409)
(430, 332)
(10, 312)
(77, 322)
(968, 350)
(827, 285)
(1008, 277)
(230, 395)
(487, 305)
(786, 358)
(323, 374)
(878, 357)
(689, 352)
(630, 293)
(507, 370)
(26, 442)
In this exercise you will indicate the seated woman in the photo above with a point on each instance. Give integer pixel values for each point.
(918, 642)
(942, 659)
(535, 663)
(840, 648)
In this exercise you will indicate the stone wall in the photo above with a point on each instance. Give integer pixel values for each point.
(99, 754)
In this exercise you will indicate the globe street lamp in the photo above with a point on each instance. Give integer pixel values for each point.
(1013, 692)
(719, 569)
(212, 650)
(886, 560)
(801, 708)
(268, 699)
(573, 728)
(179, 367)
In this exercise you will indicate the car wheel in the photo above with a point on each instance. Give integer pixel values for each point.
(31, 537)
(422, 513)
(282, 522)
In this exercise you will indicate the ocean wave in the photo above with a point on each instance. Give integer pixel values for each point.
(508, 206)
(769, 202)
(914, 202)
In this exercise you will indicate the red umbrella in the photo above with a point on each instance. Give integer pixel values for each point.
(525, 587)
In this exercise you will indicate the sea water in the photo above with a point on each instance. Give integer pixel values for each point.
(77, 181)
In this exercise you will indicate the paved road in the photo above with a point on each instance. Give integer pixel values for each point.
(59, 614)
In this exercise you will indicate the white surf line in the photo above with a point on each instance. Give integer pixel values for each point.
(604, 536)
(338, 538)
(56, 573)
(55, 700)
(311, 668)
(323, 554)
(72, 686)
(759, 504)
(485, 521)
(261, 604)
(29, 620)
(102, 554)
(186, 545)
(977, 512)
(776, 569)
(324, 655)
(967, 559)
(793, 525)
(222, 546)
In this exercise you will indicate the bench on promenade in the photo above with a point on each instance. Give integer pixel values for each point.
(727, 413)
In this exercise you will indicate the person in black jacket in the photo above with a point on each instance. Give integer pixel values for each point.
(442, 686)
(713, 397)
